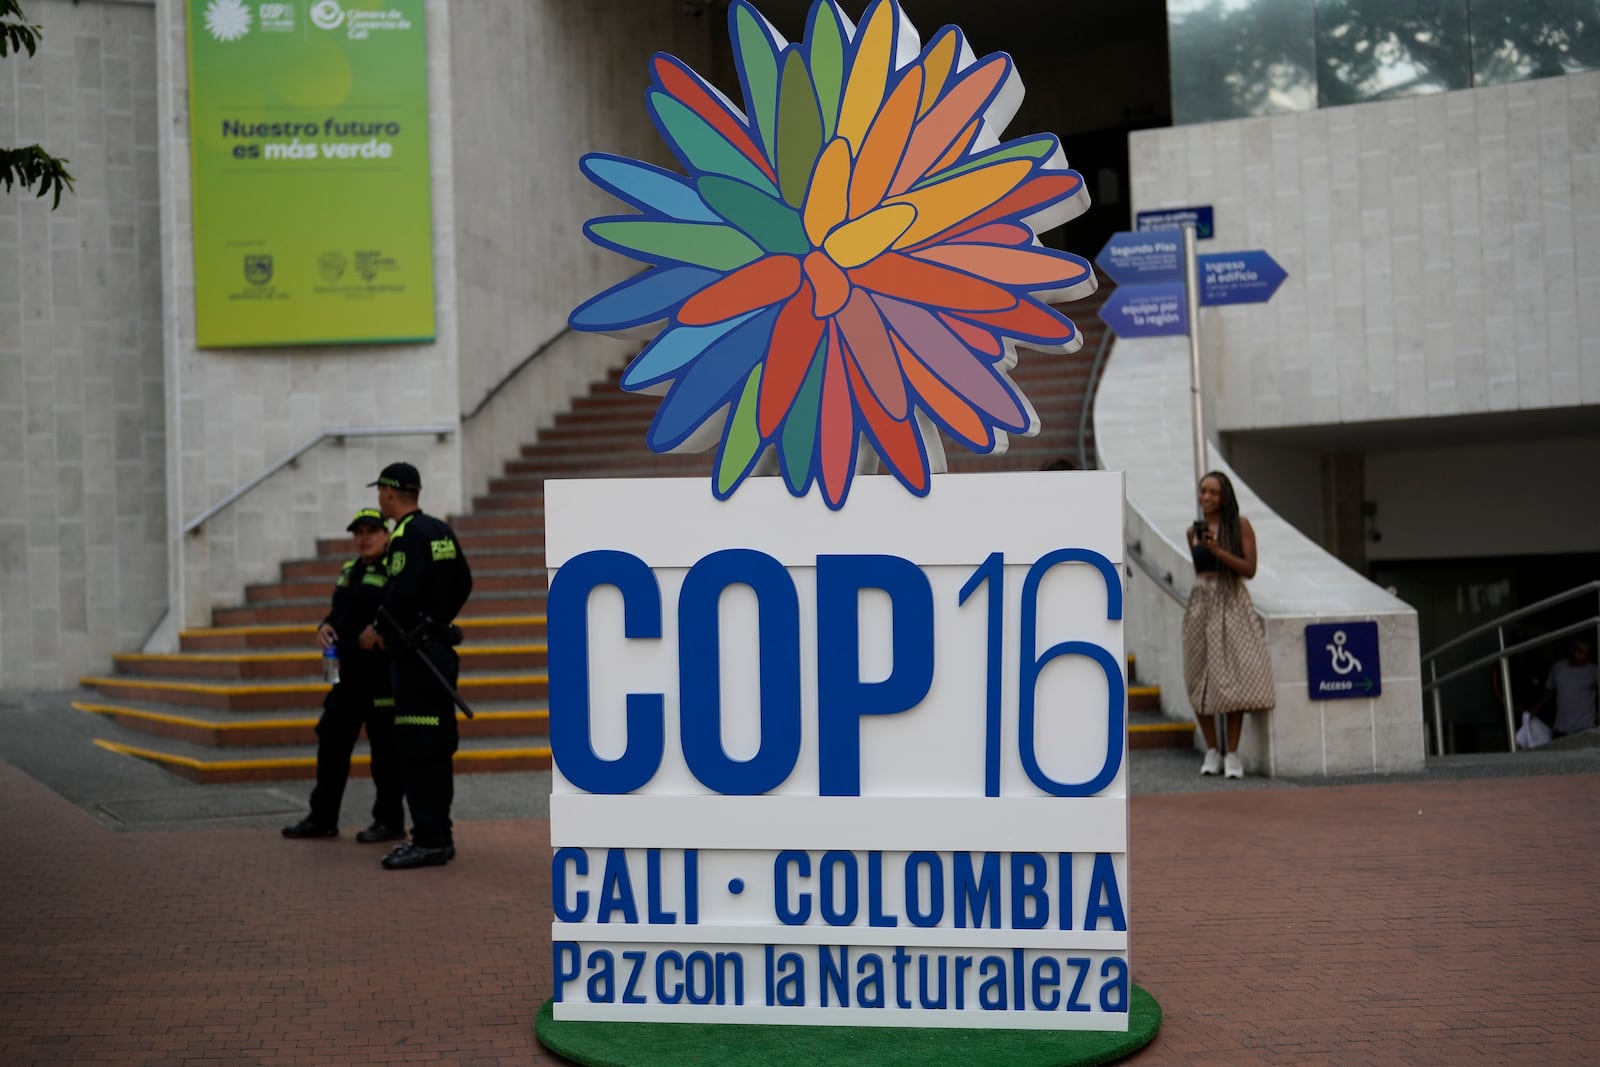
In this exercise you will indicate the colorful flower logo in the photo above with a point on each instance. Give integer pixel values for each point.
(850, 259)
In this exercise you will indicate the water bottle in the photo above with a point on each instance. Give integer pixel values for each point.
(330, 664)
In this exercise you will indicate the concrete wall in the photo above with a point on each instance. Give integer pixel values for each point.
(231, 414)
(83, 558)
(1442, 252)
(1142, 427)
(538, 84)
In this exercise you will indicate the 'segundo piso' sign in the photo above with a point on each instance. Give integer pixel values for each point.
(862, 764)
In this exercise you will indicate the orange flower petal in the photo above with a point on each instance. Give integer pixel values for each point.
(938, 398)
(947, 204)
(947, 119)
(977, 339)
(941, 57)
(794, 345)
(755, 285)
(896, 439)
(829, 283)
(827, 201)
(1040, 189)
(837, 424)
(1028, 319)
(1001, 233)
(957, 148)
(929, 284)
(885, 143)
(868, 338)
(1007, 266)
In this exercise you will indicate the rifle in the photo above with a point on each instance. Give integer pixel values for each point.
(414, 646)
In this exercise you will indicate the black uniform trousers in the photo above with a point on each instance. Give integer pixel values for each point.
(345, 709)
(425, 740)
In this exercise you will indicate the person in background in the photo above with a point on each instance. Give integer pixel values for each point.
(1571, 685)
(360, 696)
(429, 581)
(1225, 665)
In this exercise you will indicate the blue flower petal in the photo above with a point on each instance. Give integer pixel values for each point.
(673, 348)
(647, 188)
(711, 382)
(645, 298)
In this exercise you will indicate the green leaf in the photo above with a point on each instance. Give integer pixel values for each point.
(827, 67)
(770, 222)
(799, 130)
(760, 65)
(698, 243)
(798, 441)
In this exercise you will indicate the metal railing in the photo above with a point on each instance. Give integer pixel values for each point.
(494, 391)
(293, 460)
(1088, 399)
(1503, 655)
(1163, 581)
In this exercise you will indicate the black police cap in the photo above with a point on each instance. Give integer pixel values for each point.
(402, 476)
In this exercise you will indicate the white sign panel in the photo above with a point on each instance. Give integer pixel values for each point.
(861, 767)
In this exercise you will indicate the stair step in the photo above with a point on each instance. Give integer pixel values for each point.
(326, 568)
(203, 765)
(312, 610)
(276, 696)
(256, 666)
(482, 582)
(196, 727)
(225, 638)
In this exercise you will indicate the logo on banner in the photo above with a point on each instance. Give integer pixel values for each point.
(227, 20)
(850, 257)
(258, 269)
(327, 15)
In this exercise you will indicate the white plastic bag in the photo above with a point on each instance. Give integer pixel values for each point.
(1533, 732)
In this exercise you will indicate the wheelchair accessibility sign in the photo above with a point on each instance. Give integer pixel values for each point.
(1342, 661)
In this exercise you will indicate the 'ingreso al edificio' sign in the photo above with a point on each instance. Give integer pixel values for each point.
(828, 768)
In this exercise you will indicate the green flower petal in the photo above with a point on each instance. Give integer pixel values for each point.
(770, 222)
(827, 66)
(701, 244)
(742, 441)
(701, 148)
(798, 442)
(760, 65)
(799, 130)
(1038, 148)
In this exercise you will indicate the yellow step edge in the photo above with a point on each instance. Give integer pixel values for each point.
(1161, 728)
(531, 714)
(475, 622)
(469, 755)
(1144, 690)
(284, 687)
(244, 655)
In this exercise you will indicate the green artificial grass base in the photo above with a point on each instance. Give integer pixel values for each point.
(716, 1045)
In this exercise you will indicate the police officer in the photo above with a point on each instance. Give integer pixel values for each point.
(360, 697)
(429, 580)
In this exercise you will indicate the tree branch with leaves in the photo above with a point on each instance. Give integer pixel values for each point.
(31, 167)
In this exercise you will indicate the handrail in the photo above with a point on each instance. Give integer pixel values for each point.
(1088, 399)
(294, 456)
(468, 416)
(1502, 656)
(1135, 553)
(1547, 602)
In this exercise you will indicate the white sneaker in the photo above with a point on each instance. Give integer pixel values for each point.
(1213, 762)
(1235, 766)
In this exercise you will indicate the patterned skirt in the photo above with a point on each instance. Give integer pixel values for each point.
(1225, 665)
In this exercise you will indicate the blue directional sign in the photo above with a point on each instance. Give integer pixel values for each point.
(1147, 310)
(1143, 257)
(1238, 278)
(1342, 661)
(1200, 217)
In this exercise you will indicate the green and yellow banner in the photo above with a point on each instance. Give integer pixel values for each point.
(308, 124)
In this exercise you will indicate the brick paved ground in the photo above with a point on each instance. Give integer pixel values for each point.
(1426, 923)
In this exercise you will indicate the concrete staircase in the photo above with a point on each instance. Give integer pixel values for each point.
(240, 701)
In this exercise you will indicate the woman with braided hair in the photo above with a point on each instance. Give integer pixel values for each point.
(1225, 665)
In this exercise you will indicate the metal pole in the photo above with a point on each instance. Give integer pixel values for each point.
(1505, 690)
(1438, 711)
(1191, 286)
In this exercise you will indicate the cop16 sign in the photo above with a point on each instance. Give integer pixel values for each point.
(863, 769)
